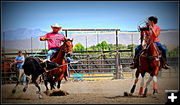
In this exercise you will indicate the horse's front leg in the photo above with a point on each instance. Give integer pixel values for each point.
(142, 84)
(155, 85)
(52, 83)
(45, 78)
(147, 84)
(59, 84)
(155, 73)
(135, 82)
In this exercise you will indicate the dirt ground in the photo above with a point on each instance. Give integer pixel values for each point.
(91, 92)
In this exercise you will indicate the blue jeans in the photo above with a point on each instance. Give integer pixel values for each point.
(50, 52)
(68, 70)
(159, 45)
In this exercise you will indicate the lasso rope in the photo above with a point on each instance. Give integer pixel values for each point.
(61, 66)
(37, 50)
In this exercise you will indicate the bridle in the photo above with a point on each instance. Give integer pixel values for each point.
(146, 38)
(65, 46)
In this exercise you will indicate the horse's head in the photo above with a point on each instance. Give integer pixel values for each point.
(67, 45)
(145, 37)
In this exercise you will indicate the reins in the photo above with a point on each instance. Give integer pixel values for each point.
(148, 45)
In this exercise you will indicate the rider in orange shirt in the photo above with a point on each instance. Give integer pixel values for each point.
(154, 32)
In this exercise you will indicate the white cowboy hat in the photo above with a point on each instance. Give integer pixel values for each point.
(56, 25)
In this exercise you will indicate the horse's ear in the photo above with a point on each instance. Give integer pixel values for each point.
(72, 40)
(64, 39)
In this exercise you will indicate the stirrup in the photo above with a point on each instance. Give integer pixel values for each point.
(166, 66)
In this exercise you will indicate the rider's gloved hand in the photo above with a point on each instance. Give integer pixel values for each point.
(43, 38)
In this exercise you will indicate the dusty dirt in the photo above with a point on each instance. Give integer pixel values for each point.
(91, 92)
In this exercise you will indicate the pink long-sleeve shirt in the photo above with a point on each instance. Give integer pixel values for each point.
(54, 39)
(156, 27)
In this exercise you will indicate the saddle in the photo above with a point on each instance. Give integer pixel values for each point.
(150, 57)
(158, 50)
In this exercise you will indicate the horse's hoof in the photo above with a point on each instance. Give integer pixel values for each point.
(52, 88)
(13, 91)
(126, 94)
(40, 96)
(139, 95)
(130, 94)
(58, 87)
(155, 91)
(37, 92)
(144, 95)
(24, 90)
(145, 92)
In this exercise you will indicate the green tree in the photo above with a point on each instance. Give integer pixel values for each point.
(44, 50)
(130, 46)
(111, 46)
(174, 52)
(78, 47)
(104, 45)
(99, 47)
(121, 46)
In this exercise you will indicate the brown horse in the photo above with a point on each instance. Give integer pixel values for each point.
(7, 68)
(61, 71)
(149, 61)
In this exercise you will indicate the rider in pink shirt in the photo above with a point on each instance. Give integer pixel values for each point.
(54, 40)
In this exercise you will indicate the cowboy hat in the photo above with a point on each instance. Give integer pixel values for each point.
(55, 26)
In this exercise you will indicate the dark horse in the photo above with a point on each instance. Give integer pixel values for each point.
(149, 61)
(34, 67)
(57, 74)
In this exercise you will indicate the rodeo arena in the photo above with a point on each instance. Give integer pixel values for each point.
(94, 77)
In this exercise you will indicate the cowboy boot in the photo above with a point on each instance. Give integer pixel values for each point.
(165, 65)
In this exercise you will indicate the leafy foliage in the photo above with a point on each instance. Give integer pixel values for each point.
(44, 50)
(174, 52)
(78, 47)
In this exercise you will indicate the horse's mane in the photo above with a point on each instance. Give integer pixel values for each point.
(60, 49)
(68, 40)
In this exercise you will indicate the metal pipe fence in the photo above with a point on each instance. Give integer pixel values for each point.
(95, 66)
